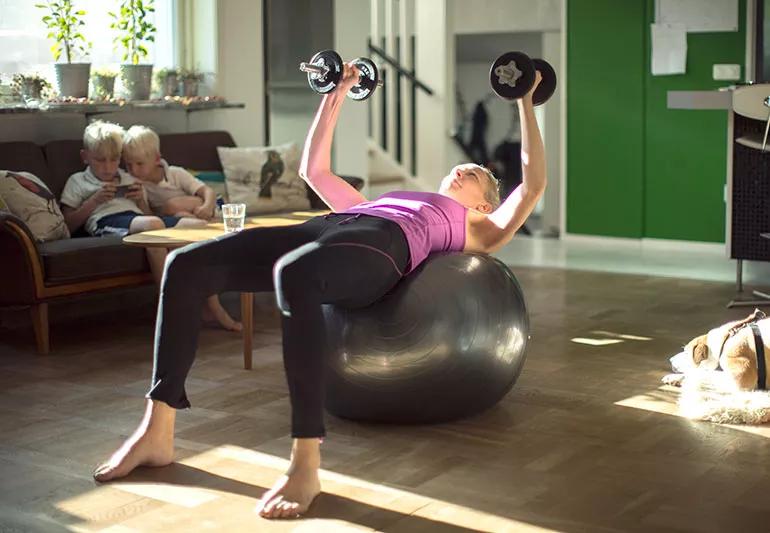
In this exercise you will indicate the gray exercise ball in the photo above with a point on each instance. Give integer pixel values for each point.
(447, 342)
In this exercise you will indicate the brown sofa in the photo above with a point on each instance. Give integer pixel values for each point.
(33, 274)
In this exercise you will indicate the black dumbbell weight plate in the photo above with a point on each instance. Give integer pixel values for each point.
(547, 84)
(369, 75)
(512, 75)
(327, 83)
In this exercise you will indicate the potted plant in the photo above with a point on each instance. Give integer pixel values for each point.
(134, 29)
(190, 80)
(64, 24)
(104, 83)
(168, 82)
(31, 87)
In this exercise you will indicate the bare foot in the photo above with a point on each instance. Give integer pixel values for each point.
(215, 313)
(293, 493)
(152, 444)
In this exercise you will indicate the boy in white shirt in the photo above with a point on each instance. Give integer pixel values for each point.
(108, 201)
(171, 190)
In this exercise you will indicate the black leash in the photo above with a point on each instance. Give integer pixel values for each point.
(759, 346)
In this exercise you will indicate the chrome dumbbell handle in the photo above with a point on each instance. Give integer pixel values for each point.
(321, 71)
(318, 70)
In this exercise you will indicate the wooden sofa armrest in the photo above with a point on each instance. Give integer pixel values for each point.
(21, 270)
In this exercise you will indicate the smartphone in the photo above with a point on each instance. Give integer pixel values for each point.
(121, 190)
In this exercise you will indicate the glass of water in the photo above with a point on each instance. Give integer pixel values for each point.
(233, 216)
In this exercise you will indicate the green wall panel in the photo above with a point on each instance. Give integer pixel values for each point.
(605, 106)
(686, 150)
(635, 168)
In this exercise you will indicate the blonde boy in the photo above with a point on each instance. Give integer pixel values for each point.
(170, 190)
(109, 201)
(105, 199)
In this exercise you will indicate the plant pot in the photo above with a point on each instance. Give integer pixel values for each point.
(104, 87)
(190, 87)
(170, 85)
(31, 90)
(72, 79)
(137, 80)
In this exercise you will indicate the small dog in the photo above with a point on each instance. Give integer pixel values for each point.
(730, 348)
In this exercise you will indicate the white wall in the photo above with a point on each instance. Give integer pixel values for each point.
(490, 16)
(435, 65)
(553, 123)
(240, 72)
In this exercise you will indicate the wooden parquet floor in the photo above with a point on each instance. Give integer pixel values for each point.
(588, 440)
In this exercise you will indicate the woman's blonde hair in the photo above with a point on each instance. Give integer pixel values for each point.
(104, 138)
(493, 191)
(141, 141)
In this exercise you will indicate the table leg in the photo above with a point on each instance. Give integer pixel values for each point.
(247, 319)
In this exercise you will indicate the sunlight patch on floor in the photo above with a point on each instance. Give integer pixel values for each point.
(218, 484)
(664, 400)
(595, 342)
(623, 336)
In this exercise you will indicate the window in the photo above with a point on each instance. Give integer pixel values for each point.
(25, 47)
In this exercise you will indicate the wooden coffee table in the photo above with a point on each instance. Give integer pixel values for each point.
(171, 238)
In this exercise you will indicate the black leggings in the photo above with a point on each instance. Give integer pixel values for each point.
(347, 260)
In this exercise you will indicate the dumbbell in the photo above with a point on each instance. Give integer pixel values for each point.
(324, 72)
(512, 75)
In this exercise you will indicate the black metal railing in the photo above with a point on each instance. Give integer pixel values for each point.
(415, 84)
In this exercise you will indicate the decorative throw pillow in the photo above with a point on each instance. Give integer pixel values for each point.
(212, 178)
(29, 199)
(266, 179)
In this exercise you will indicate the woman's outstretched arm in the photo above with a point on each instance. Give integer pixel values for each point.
(503, 223)
(315, 167)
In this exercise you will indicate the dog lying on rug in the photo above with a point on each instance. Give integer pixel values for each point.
(732, 348)
(724, 373)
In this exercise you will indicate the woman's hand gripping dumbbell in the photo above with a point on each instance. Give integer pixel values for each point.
(512, 75)
(325, 71)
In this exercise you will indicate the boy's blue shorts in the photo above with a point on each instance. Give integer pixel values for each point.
(118, 223)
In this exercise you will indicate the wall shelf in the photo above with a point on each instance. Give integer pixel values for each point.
(97, 108)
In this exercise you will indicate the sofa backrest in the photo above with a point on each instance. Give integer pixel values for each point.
(24, 156)
(58, 160)
(63, 158)
(197, 151)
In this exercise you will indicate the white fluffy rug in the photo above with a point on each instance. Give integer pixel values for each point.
(709, 395)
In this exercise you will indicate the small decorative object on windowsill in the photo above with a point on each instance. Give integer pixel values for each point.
(134, 29)
(103, 82)
(6, 92)
(187, 101)
(191, 78)
(64, 23)
(168, 82)
(32, 88)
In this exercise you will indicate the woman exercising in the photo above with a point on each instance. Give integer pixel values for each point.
(351, 257)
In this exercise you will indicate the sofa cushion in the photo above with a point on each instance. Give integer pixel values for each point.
(214, 179)
(27, 197)
(265, 178)
(85, 258)
(63, 158)
(196, 150)
(25, 156)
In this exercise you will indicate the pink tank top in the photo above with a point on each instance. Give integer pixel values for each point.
(431, 222)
